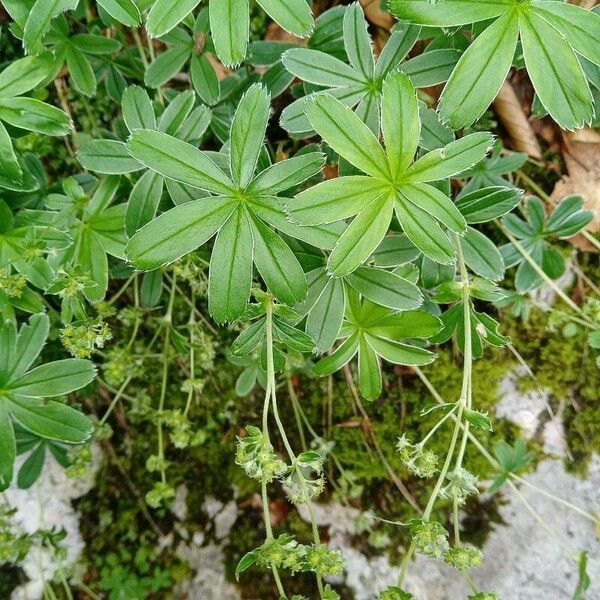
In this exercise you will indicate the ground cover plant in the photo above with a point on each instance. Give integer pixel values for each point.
(240, 243)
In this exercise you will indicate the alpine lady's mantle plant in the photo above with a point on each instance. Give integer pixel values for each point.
(385, 235)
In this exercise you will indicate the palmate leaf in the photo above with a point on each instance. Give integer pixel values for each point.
(394, 185)
(23, 390)
(241, 214)
(551, 32)
(555, 71)
(374, 332)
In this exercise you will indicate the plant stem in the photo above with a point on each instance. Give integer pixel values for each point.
(463, 402)
(272, 386)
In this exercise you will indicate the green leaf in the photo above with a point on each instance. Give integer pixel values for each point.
(584, 581)
(124, 11)
(361, 238)
(107, 156)
(399, 354)
(166, 65)
(287, 174)
(436, 203)
(403, 38)
(340, 357)
(478, 419)
(385, 289)
(335, 199)
(152, 287)
(8, 449)
(204, 79)
(230, 279)
(138, 112)
(319, 68)
(578, 25)
(9, 165)
(424, 232)
(54, 379)
(165, 15)
(24, 74)
(52, 420)
(245, 563)
(277, 265)
(293, 117)
(294, 16)
(176, 113)
(557, 76)
(195, 125)
(246, 381)
(92, 258)
(482, 256)
(347, 135)
(431, 67)
(324, 320)
(400, 122)
(567, 218)
(39, 19)
(480, 72)
(369, 371)
(82, 74)
(143, 201)
(30, 470)
(230, 26)
(448, 13)
(357, 40)
(95, 44)
(451, 160)
(30, 342)
(178, 160)
(394, 251)
(293, 338)
(33, 115)
(178, 231)
(270, 209)
(247, 133)
(488, 203)
(248, 339)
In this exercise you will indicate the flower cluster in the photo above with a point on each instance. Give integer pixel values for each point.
(256, 456)
(12, 285)
(181, 433)
(484, 596)
(284, 552)
(461, 484)
(420, 462)
(430, 538)
(161, 492)
(323, 561)
(464, 558)
(83, 337)
(305, 480)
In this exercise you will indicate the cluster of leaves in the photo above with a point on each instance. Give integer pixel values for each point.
(368, 231)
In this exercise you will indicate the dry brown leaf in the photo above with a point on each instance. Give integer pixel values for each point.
(275, 33)
(374, 14)
(582, 159)
(510, 113)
